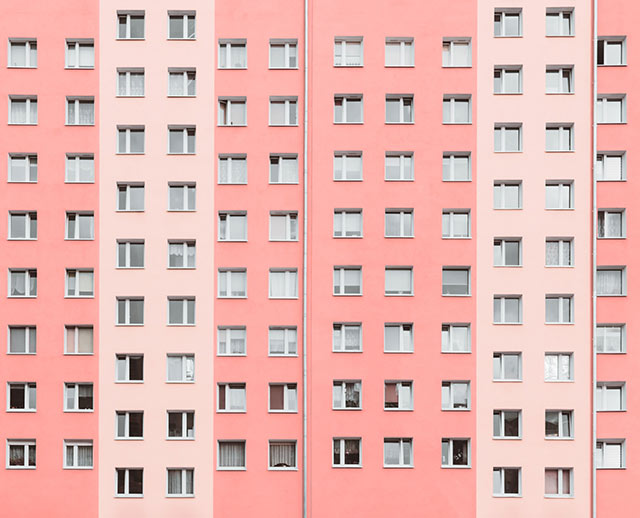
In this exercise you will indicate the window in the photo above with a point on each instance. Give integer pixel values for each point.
(282, 455)
(558, 424)
(456, 395)
(347, 394)
(346, 452)
(23, 53)
(182, 196)
(456, 167)
(611, 109)
(507, 309)
(182, 82)
(79, 168)
(21, 397)
(455, 453)
(80, 111)
(456, 109)
(232, 226)
(21, 454)
(347, 165)
(182, 26)
(398, 223)
(23, 283)
(22, 340)
(347, 223)
(231, 455)
(507, 367)
(129, 482)
(78, 340)
(131, 196)
(130, 25)
(78, 454)
(80, 54)
(507, 195)
(283, 168)
(232, 341)
(347, 337)
(611, 223)
(506, 424)
(559, 195)
(283, 341)
(398, 281)
(507, 79)
(23, 109)
(610, 396)
(283, 226)
(129, 425)
(180, 368)
(129, 367)
(398, 52)
(232, 283)
(283, 283)
(612, 51)
(347, 280)
(348, 52)
(182, 311)
(79, 283)
(130, 254)
(130, 311)
(611, 281)
(232, 169)
(232, 53)
(611, 166)
(610, 454)
(506, 481)
(559, 21)
(399, 109)
(283, 397)
(232, 111)
(456, 281)
(456, 52)
(180, 482)
(182, 254)
(130, 140)
(182, 140)
(559, 137)
(456, 224)
(507, 138)
(456, 338)
(398, 453)
(347, 109)
(611, 338)
(507, 23)
(398, 338)
(23, 167)
(23, 225)
(558, 309)
(283, 111)
(232, 397)
(78, 397)
(398, 166)
(559, 252)
(558, 367)
(559, 79)
(131, 82)
(398, 395)
(283, 53)
(180, 425)
(507, 252)
(557, 482)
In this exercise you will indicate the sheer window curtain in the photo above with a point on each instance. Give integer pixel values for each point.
(232, 455)
(19, 111)
(283, 455)
(609, 282)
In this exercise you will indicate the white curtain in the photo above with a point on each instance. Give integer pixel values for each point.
(238, 283)
(232, 454)
(392, 452)
(19, 111)
(16, 455)
(137, 84)
(236, 396)
(278, 284)
(238, 56)
(174, 368)
(276, 341)
(174, 479)
(86, 55)
(189, 368)
(351, 338)
(85, 455)
(609, 282)
(289, 170)
(282, 455)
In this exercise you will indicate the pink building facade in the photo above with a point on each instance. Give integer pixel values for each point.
(302, 259)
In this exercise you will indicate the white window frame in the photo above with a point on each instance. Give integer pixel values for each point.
(127, 73)
(76, 103)
(30, 44)
(559, 13)
(227, 160)
(604, 214)
(342, 214)
(465, 269)
(126, 472)
(30, 339)
(341, 387)
(30, 274)
(449, 102)
(503, 128)
(342, 464)
(73, 63)
(288, 390)
(563, 434)
(340, 174)
(228, 219)
(127, 308)
(30, 161)
(447, 337)
(125, 360)
(601, 453)
(188, 74)
(500, 355)
(27, 444)
(75, 445)
(127, 134)
(290, 225)
(341, 284)
(290, 282)
(339, 346)
(563, 301)
(78, 273)
(602, 334)
(224, 340)
(128, 15)
(280, 177)
(405, 443)
(403, 100)
(563, 262)
(560, 184)
(499, 74)
(558, 358)
(341, 101)
(559, 71)
(293, 444)
(501, 242)
(449, 58)
(185, 196)
(126, 245)
(499, 18)
(28, 100)
(565, 137)
(502, 309)
(73, 348)
(184, 418)
(187, 247)
(27, 388)
(220, 467)
(449, 462)
(501, 414)
(450, 213)
(395, 293)
(604, 160)
(224, 45)
(404, 405)
(227, 387)
(127, 425)
(186, 302)
(562, 493)
(188, 136)
(127, 188)
(185, 15)
(403, 330)
(290, 47)
(449, 160)
(406, 173)
(73, 174)
(447, 394)
(623, 280)
(604, 42)
(404, 232)
(341, 59)
(601, 108)
(290, 110)
(29, 218)
(76, 388)
(499, 201)
(183, 483)
(406, 52)
(602, 387)
(225, 111)
(228, 273)
(290, 336)
(501, 475)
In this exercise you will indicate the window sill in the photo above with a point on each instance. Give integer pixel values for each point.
(184, 210)
(129, 325)
(21, 467)
(615, 411)
(231, 411)
(559, 35)
(283, 241)
(347, 66)
(283, 469)
(129, 96)
(392, 466)
(21, 354)
(230, 469)
(507, 496)
(232, 125)
(282, 411)
(559, 151)
(232, 240)
(273, 355)
(130, 153)
(507, 438)
(351, 466)
(346, 352)
(22, 123)
(507, 266)
(507, 323)
(559, 438)
(455, 410)
(129, 267)
(130, 39)
(180, 496)
(458, 237)
(397, 352)
(283, 298)
(32, 182)
(604, 467)
(78, 296)
(507, 36)
(611, 123)
(348, 123)
(283, 125)
(180, 154)
(281, 183)
(78, 467)
(129, 382)
(456, 295)
(70, 354)
(615, 65)
(560, 93)
(178, 382)
(23, 296)
(181, 325)
(232, 68)
(20, 411)
(507, 208)
(506, 381)
(454, 181)
(69, 182)
(400, 123)
(559, 496)
(399, 66)
(68, 124)
(129, 438)
(457, 66)
(558, 381)
(129, 496)
(175, 96)
(398, 410)
(507, 93)
(597, 295)
(347, 294)
(398, 294)
(410, 180)
(612, 237)
(503, 152)
(180, 438)
(80, 68)
(344, 409)
(180, 268)
(283, 68)
(599, 352)
(232, 355)
(455, 467)
(181, 39)
(599, 180)
(232, 298)
(399, 237)
(467, 123)
(22, 239)
(558, 266)
(21, 67)
(455, 352)
(348, 179)
(78, 411)
(559, 208)
(348, 237)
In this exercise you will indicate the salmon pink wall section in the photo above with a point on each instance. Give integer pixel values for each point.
(27, 493)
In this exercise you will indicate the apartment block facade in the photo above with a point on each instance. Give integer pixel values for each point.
(309, 258)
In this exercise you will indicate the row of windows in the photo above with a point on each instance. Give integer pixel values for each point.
(79, 53)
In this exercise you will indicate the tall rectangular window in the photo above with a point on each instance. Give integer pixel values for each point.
(456, 167)
(23, 168)
(456, 395)
(507, 23)
(80, 54)
(347, 223)
(456, 224)
(347, 337)
(130, 82)
(398, 281)
(347, 109)
(507, 366)
(23, 53)
(456, 338)
(456, 452)
(456, 109)
(558, 366)
(283, 111)
(283, 53)
(23, 109)
(78, 339)
(23, 225)
(399, 109)
(232, 53)
(232, 226)
(611, 338)
(283, 168)
(507, 138)
(559, 21)
(232, 169)
(182, 197)
(130, 140)
(558, 195)
(283, 397)
(283, 283)
(347, 165)
(80, 168)
(182, 25)
(347, 280)
(456, 52)
(232, 340)
(232, 111)
(348, 52)
(22, 340)
(398, 338)
(80, 111)
(612, 51)
(182, 82)
(232, 283)
(399, 52)
(283, 341)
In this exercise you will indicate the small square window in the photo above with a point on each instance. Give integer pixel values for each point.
(506, 482)
(21, 397)
(347, 165)
(347, 452)
(398, 453)
(78, 454)
(398, 166)
(283, 111)
(283, 53)
(507, 309)
(232, 226)
(611, 223)
(507, 138)
(80, 111)
(347, 223)
(507, 23)
(507, 366)
(181, 311)
(181, 368)
(456, 281)
(23, 109)
(130, 140)
(559, 21)
(129, 425)
(182, 25)
(558, 195)
(610, 454)
(129, 311)
(456, 338)
(559, 137)
(398, 338)
(456, 453)
(23, 225)
(232, 111)
(283, 169)
(23, 53)
(232, 341)
(456, 52)
(611, 166)
(398, 223)
(283, 283)
(507, 79)
(347, 280)
(21, 454)
(398, 52)
(507, 195)
(232, 283)
(23, 168)
(282, 455)
(611, 338)
(283, 226)
(129, 482)
(232, 397)
(79, 225)
(558, 424)
(80, 168)
(283, 397)
(129, 368)
(80, 54)
(182, 197)
(348, 52)
(79, 283)
(347, 109)
(182, 140)
(78, 339)
(232, 53)
(130, 82)
(130, 25)
(456, 109)
(78, 397)
(347, 337)
(232, 455)
(130, 197)
(398, 395)
(283, 341)
(22, 340)
(558, 309)
(456, 224)
(610, 396)
(182, 82)
(456, 167)
(611, 281)
(558, 367)
(507, 252)
(399, 109)
(559, 79)
(559, 252)
(507, 424)
(23, 283)
(456, 395)
(398, 281)
(612, 51)
(180, 425)
(232, 169)
(180, 482)
(130, 254)
(611, 109)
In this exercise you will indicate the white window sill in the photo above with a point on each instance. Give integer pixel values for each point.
(347, 352)
(457, 66)
(398, 410)
(181, 39)
(21, 467)
(347, 294)
(598, 180)
(558, 266)
(280, 183)
(232, 298)
(28, 181)
(130, 39)
(559, 150)
(507, 323)
(283, 411)
(21, 410)
(129, 496)
(78, 467)
(597, 295)
(283, 68)
(606, 237)
(347, 466)
(175, 96)
(598, 410)
(79, 68)
(558, 438)
(129, 382)
(283, 298)
(130, 153)
(83, 125)
(507, 438)
(560, 35)
(397, 352)
(283, 125)
(408, 180)
(271, 355)
(457, 237)
(129, 438)
(507, 36)
(393, 466)
(82, 182)
(559, 208)
(232, 68)
(398, 294)
(399, 66)
(185, 210)
(283, 240)
(180, 496)
(23, 296)
(283, 469)
(599, 352)
(613, 65)
(180, 438)
(129, 325)
(348, 237)
(174, 382)
(456, 295)
(455, 352)
(615, 468)
(10, 353)
(507, 266)
(22, 239)
(79, 296)
(180, 325)
(559, 93)
(232, 240)
(507, 93)
(455, 467)
(559, 323)
(455, 410)
(130, 96)
(506, 381)
(178, 153)
(465, 123)
(347, 123)
(129, 267)
(232, 355)
(507, 208)
(231, 469)
(558, 381)
(507, 496)
(399, 237)
(347, 66)
(232, 125)
(410, 123)
(610, 123)
(78, 411)
(22, 123)
(231, 411)
(559, 496)
(345, 409)
(20, 67)
(457, 181)
(347, 179)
